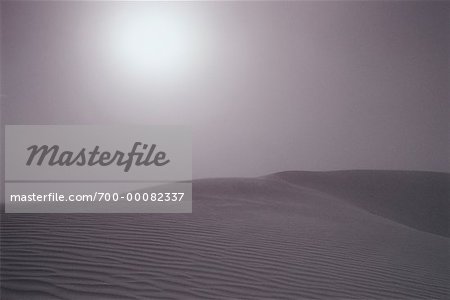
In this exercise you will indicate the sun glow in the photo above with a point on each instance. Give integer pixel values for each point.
(160, 44)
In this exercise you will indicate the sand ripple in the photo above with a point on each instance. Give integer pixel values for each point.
(247, 239)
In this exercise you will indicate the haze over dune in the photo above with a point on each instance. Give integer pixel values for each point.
(290, 235)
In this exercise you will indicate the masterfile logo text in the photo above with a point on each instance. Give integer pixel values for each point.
(98, 168)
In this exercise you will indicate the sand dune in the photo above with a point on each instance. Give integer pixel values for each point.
(292, 235)
(416, 199)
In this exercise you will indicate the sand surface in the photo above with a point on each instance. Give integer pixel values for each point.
(291, 235)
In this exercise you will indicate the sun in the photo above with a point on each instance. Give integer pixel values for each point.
(153, 43)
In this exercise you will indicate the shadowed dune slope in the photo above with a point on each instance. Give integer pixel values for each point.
(285, 236)
(417, 199)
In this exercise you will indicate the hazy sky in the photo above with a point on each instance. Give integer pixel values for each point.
(265, 86)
